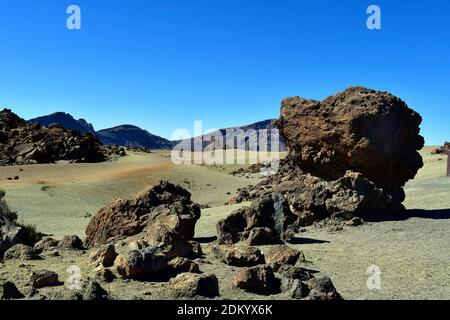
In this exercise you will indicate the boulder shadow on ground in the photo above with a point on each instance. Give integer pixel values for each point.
(205, 239)
(440, 214)
(299, 240)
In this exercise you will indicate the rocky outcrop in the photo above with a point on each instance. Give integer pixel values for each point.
(163, 204)
(349, 157)
(363, 130)
(30, 143)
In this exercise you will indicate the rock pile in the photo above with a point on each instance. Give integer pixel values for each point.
(30, 143)
(348, 156)
(150, 236)
(163, 204)
(442, 150)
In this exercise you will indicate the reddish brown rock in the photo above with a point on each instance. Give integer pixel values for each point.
(322, 289)
(281, 255)
(190, 285)
(259, 280)
(104, 256)
(138, 264)
(183, 265)
(163, 204)
(167, 241)
(359, 129)
(238, 256)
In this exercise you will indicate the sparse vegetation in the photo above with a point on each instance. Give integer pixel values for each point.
(29, 233)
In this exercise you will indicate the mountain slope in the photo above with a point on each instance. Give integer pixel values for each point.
(250, 132)
(132, 136)
(66, 120)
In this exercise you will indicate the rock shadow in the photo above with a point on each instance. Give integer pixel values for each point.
(299, 240)
(440, 214)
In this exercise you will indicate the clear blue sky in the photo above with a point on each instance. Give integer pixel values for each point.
(161, 64)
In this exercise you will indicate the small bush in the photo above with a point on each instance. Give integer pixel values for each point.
(5, 212)
(29, 234)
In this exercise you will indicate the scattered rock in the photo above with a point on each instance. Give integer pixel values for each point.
(44, 278)
(295, 272)
(93, 291)
(190, 285)
(183, 265)
(89, 290)
(238, 256)
(322, 289)
(261, 236)
(294, 288)
(282, 255)
(167, 241)
(21, 252)
(47, 243)
(9, 291)
(259, 280)
(71, 243)
(137, 264)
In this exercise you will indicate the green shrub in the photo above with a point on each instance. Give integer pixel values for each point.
(5, 212)
(29, 234)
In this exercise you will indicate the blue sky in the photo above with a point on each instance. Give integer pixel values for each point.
(162, 64)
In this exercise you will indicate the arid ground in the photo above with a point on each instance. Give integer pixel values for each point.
(59, 199)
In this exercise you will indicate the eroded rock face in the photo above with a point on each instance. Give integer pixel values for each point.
(164, 204)
(363, 130)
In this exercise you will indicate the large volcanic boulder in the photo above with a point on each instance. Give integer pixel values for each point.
(163, 204)
(349, 156)
(363, 130)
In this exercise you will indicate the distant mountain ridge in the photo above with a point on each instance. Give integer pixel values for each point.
(66, 120)
(132, 136)
(251, 131)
